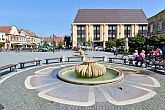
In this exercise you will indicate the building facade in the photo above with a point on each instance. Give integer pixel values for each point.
(2, 37)
(54, 40)
(23, 39)
(38, 40)
(30, 36)
(101, 25)
(156, 24)
(11, 35)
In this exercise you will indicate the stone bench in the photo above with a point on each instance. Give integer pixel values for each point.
(160, 63)
(146, 62)
(59, 58)
(111, 60)
(11, 66)
(75, 57)
(99, 57)
(22, 64)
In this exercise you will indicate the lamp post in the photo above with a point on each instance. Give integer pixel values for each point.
(126, 45)
(53, 44)
(103, 36)
(70, 43)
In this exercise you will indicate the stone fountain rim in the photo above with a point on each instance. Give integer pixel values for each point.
(63, 71)
(89, 61)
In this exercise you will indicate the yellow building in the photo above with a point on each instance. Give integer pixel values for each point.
(101, 25)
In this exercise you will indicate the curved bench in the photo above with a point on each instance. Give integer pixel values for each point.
(99, 57)
(60, 59)
(111, 60)
(160, 63)
(75, 57)
(11, 66)
(22, 64)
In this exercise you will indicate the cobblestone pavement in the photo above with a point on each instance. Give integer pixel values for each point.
(15, 96)
(15, 57)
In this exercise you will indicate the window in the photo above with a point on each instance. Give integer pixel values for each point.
(96, 29)
(11, 38)
(163, 25)
(81, 33)
(160, 25)
(154, 27)
(151, 28)
(127, 31)
(109, 27)
(143, 30)
(3, 37)
(78, 28)
(112, 32)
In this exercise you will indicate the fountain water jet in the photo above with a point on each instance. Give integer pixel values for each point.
(90, 69)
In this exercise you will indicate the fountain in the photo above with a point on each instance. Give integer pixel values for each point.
(90, 83)
(90, 69)
(90, 72)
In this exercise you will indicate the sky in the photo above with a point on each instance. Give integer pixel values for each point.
(45, 17)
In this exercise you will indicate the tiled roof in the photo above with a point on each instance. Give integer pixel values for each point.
(110, 16)
(58, 39)
(28, 32)
(5, 29)
(161, 12)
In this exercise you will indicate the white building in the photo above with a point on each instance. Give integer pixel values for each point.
(22, 39)
(38, 40)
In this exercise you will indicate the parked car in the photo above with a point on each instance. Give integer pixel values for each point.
(99, 48)
(43, 50)
(108, 49)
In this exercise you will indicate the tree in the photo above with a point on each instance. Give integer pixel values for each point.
(14, 45)
(60, 44)
(161, 40)
(35, 46)
(45, 44)
(136, 43)
(157, 41)
(67, 39)
(110, 43)
(86, 43)
(120, 42)
(2, 44)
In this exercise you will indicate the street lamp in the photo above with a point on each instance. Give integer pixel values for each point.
(103, 36)
(53, 43)
(126, 45)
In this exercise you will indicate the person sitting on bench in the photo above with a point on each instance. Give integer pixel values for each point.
(135, 55)
(141, 58)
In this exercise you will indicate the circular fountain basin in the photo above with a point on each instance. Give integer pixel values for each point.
(111, 75)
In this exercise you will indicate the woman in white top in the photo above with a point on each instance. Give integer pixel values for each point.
(135, 55)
